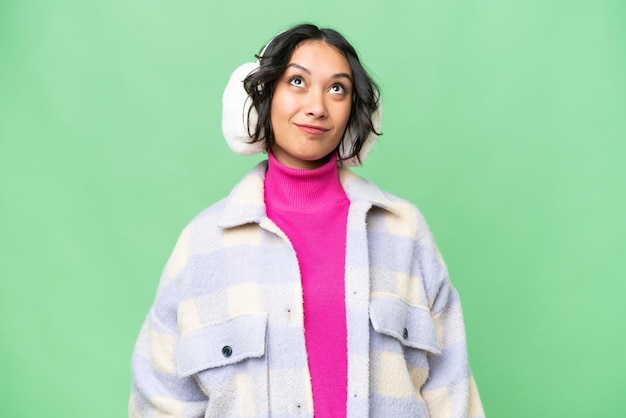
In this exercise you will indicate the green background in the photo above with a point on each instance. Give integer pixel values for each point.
(505, 122)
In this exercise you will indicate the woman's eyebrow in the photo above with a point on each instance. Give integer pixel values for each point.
(306, 70)
(343, 75)
(299, 67)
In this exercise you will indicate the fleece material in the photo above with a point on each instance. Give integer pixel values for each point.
(311, 208)
(225, 334)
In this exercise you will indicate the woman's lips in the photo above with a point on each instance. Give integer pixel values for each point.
(312, 129)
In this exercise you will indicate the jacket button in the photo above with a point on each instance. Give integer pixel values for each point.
(405, 334)
(227, 351)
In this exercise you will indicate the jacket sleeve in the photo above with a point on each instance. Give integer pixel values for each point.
(450, 390)
(157, 387)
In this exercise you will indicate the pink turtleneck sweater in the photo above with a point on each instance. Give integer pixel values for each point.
(311, 208)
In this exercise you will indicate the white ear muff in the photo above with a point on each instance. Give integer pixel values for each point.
(369, 142)
(237, 115)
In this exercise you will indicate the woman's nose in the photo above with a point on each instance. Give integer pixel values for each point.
(315, 105)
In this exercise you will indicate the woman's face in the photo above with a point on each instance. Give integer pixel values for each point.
(311, 105)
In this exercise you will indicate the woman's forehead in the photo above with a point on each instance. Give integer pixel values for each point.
(319, 57)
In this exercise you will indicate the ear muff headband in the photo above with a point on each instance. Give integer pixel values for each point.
(237, 115)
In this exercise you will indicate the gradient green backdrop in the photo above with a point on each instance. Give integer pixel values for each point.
(504, 121)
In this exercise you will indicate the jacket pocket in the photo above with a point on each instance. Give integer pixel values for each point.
(411, 325)
(222, 343)
(229, 362)
(402, 338)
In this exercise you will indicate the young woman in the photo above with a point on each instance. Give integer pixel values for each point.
(307, 291)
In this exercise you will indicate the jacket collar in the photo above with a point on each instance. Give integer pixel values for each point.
(245, 203)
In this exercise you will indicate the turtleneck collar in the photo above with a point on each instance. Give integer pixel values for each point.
(306, 191)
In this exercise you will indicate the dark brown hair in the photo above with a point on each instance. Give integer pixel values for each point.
(274, 59)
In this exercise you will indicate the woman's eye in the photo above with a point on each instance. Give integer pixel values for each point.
(338, 89)
(296, 81)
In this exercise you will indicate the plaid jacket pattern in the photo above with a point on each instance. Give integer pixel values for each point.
(225, 336)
